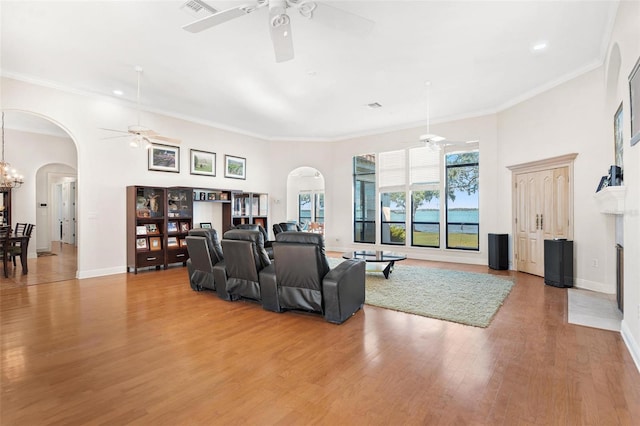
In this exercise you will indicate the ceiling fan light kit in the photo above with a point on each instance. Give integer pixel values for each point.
(432, 140)
(141, 135)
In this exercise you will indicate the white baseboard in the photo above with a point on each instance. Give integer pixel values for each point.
(594, 286)
(632, 345)
(92, 273)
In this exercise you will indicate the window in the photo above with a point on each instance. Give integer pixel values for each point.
(425, 219)
(304, 209)
(430, 193)
(462, 209)
(311, 210)
(424, 180)
(364, 198)
(394, 217)
(393, 210)
(319, 207)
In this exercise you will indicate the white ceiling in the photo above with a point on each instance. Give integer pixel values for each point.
(476, 54)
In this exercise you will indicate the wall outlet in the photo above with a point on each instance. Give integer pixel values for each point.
(594, 263)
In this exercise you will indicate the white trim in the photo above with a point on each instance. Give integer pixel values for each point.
(632, 345)
(594, 286)
(92, 273)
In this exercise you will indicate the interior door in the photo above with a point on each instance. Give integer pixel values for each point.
(542, 208)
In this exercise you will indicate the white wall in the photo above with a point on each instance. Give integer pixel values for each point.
(623, 52)
(29, 152)
(106, 167)
(565, 120)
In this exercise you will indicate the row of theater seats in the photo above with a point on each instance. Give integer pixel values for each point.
(298, 277)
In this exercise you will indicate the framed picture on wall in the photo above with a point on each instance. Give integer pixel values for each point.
(205, 225)
(235, 167)
(634, 97)
(203, 163)
(164, 158)
(617, 136)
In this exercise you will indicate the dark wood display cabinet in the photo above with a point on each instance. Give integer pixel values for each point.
(146, 227)
(179, 222)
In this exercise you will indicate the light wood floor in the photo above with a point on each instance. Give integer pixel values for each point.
(145, 349)
(45, 269)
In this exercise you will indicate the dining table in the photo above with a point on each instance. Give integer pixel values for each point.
(9, 241)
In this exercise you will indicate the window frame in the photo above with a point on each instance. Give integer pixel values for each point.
(447, 167)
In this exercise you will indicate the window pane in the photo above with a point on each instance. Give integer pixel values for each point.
(319, 210)
(462, 201)
(394, 216)
(304, 209)
(472, 157)
(426, 218)
(364, 232)
(364, 196)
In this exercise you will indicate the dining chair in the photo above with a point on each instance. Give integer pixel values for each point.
(20, 248)
(20, 228)
(4, 233)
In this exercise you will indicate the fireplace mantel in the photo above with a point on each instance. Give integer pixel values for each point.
(611, 199)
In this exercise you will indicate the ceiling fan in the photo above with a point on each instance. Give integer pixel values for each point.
(435, 141)
(279, 21)
(139, 134)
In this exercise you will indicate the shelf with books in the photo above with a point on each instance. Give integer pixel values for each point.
(145, 222)
(250, 207)
(212, 195)
(179, 222)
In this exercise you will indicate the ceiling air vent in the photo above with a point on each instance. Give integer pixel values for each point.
(198, 8)
(374, 105)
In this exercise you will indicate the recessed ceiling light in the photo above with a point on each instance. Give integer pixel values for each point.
(118, 92)
(374, 105)
(539, 46)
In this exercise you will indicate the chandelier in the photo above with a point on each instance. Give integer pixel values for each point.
(9, 178)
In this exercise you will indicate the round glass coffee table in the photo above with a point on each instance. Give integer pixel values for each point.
(372, 256)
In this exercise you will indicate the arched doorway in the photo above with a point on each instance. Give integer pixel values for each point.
(47, 157)
(305, 198)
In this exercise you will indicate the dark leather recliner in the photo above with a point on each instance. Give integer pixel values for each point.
(245, 257)
(300, 278)
(265, 235)
(204, 252)
(285, 227)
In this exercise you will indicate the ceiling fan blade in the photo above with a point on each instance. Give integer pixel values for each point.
(280, 30)
(163, 139)
(218, 18)
(115, 137)
(114, 130)
(338, 18)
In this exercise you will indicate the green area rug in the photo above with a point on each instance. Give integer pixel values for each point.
(463, 297)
